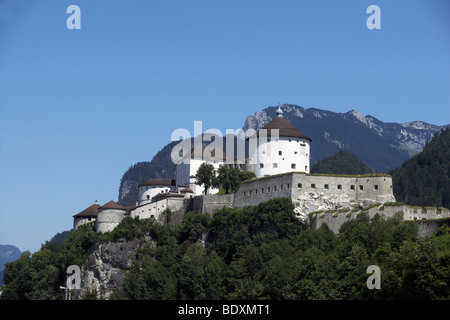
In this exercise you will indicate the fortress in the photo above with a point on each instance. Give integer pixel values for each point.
(281, 163)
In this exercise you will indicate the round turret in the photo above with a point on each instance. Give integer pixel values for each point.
(280, 148)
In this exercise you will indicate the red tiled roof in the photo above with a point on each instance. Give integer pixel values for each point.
(112, 205)
(285, 129)
(91, 211)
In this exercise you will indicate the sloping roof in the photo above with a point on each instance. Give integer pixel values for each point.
(91, 211)
(158, 182)
(285, 129)
(112, 205)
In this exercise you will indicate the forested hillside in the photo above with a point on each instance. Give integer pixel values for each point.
(424, 180)
(261, 252)
(342, 162)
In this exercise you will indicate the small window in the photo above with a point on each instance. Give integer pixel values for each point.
(281, 187)
(299, 185)
(152, 216)
(268, 189)
(290, 140)
(256, 191)
(375, 187)
(352, 187)
(148, 196)
(288, 185)
(275, 165)
(295, 152)
(250, 193)
(339, 187)
(274, 188)
(361, 188)
(326, 187)
(280, 153)
(293, 166)
(313, 185)
(244, 193)
(261, 165)
(306, 168)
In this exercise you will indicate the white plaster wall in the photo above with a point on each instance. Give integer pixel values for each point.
(80, 221)
(293, 151)
(146, 193)
(184, 171)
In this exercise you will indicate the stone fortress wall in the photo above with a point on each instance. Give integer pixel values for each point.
(318, 200)
(352, 190)
(428, 218)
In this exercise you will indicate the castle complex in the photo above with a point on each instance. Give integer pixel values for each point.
(281, 163)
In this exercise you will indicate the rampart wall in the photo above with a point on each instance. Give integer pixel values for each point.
(293, 185)
(335, 218)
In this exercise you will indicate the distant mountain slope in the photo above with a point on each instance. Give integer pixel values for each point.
(341, 163)
(424, 180)
(380, 145)
(8, 253)
(161, 166)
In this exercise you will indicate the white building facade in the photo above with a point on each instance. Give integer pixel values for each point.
(186, 169)
(280, 148)
(151, 187)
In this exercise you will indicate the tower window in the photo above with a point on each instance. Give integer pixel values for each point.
(326, 187)
(148, 196)
(280, 153)
(339, 187)
(275, 165)
(352, 187)
(375, 187)
(361, 188)
(261, 165)
(299, 185)
(313, 186)
(293, 166)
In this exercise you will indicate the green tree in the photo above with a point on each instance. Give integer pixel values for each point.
(206, 176)
(228, 178)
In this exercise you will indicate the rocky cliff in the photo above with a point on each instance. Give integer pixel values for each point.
(105, 268)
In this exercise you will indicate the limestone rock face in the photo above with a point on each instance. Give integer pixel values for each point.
(104, 270)
(319, 201)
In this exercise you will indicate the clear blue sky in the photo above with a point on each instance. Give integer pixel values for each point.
(78, 107)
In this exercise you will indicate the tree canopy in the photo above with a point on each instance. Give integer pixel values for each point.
(257, 252)
(424, 180)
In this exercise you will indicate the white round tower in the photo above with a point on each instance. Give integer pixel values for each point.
(280, 148)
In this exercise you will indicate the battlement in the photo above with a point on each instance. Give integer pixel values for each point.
(356, 188)
(335, 218)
